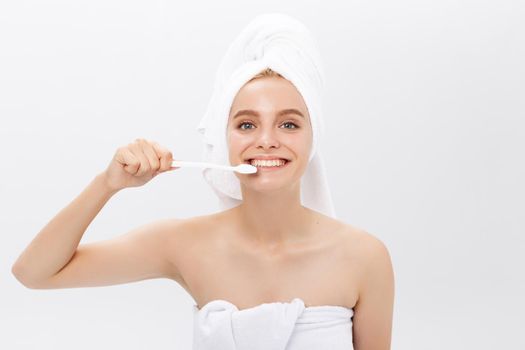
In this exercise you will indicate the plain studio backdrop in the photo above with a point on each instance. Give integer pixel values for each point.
(425, 150)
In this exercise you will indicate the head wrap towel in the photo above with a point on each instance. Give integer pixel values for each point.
(284, 44)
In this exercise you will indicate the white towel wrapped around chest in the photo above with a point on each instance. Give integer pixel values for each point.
(220, 325)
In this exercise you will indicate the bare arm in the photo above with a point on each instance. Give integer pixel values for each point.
(53, 259)
(56, 243)
(372, 322)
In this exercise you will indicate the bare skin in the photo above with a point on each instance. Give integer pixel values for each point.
(335, 264)
(218, 262)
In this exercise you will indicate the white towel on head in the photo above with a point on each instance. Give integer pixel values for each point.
(284, 44)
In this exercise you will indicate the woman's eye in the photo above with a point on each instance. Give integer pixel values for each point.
(244, 123)
(294, 125)
(240, 125)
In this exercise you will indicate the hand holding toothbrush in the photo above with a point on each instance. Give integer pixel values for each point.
(137, 163)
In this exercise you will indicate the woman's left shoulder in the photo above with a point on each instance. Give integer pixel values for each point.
(362, 242)
(356, 240)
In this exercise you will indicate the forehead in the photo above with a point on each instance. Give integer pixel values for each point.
(268, 94)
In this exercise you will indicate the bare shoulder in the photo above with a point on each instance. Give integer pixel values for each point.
(181, 228)
(373, 256)
(375, 252)
(365, 245)
(367, 251)
(185, 238)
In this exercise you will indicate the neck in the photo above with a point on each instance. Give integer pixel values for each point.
(273, 218)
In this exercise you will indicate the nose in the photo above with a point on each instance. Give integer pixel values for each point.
(267, 139)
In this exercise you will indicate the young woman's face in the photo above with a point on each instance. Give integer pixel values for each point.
(268, 117)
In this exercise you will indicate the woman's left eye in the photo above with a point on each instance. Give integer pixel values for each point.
(294, 125)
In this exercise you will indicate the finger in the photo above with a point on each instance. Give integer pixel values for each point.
(125, 157)
(165, 155)
(151, 155)
(137, 150)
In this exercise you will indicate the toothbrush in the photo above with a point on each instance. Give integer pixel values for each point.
(241, 168)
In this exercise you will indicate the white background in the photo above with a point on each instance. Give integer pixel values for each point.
(425, 116)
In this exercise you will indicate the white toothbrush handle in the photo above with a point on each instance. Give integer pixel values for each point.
(182, 163)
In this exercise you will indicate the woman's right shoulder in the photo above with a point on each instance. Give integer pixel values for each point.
(191, 228)
(184, 239)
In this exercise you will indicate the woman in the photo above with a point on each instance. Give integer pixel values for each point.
(266, 273)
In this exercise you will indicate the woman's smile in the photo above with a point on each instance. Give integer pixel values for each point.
(268, 165)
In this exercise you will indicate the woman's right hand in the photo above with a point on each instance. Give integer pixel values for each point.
(137, 163)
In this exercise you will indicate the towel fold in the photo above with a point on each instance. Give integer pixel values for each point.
(220, 325)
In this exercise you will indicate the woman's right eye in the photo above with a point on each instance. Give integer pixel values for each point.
(243, 123)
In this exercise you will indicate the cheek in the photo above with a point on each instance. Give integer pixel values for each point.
(237, 143)
(307, 142)
(301, 143)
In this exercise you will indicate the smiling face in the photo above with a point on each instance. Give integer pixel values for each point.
(269, 117)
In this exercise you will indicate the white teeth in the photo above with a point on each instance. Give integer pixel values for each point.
(267, 163)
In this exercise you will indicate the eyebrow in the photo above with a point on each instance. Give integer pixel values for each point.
(253, 113)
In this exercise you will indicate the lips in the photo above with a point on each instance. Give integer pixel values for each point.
(267, 157)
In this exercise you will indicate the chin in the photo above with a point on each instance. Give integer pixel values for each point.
(268, 184)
